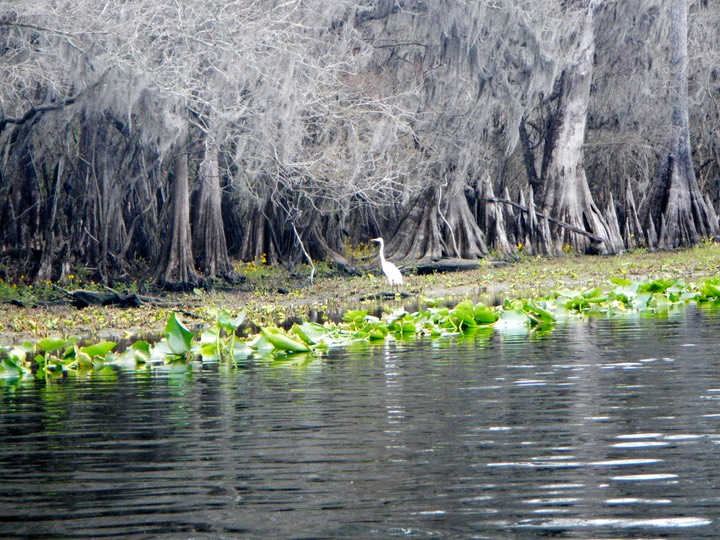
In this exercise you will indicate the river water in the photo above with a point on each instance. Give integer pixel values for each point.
(600, 429)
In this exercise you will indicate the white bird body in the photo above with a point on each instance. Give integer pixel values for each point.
(389, 269)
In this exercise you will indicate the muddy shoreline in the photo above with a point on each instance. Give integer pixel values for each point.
(274, 296)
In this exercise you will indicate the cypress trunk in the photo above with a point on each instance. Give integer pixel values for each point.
(209, 242)
(174, 268)
(566, 194)
(676, 207)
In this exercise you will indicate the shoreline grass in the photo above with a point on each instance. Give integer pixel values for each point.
(330, 295)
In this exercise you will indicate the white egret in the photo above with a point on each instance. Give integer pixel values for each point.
(389, 269)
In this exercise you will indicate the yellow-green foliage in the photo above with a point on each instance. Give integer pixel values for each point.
(52, 357)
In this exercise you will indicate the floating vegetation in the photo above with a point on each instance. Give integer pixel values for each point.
(52, 358)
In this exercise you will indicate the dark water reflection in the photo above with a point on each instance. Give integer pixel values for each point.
(602, 429)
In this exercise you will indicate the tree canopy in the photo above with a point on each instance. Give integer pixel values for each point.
(164, 138)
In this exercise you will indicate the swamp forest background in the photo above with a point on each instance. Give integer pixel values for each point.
(165, 138)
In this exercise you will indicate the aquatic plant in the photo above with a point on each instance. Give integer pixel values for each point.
(53, 357)
(222, 341)
(218, 341)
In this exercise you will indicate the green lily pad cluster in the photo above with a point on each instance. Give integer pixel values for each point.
(53, 357)
(632, 296)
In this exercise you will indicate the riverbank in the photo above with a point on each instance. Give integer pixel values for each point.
(271, 296)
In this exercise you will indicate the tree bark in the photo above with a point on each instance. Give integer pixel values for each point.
(491, 218)
(104, 234)
(566, 195)
(418, 234)
(49, 248)
(438, 224)
(209, 243)
(174, 268)
(321, 249)
(633, 236)
(461, 235)
(258, 244)
(529, 157)
(676, 208)
(533, 234)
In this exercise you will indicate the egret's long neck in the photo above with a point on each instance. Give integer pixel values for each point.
(382, 251)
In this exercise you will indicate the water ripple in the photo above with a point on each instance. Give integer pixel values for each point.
(627, 523)
(602, 429)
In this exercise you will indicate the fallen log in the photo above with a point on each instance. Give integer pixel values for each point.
(385, 295)
(446, 265)
(82, 298)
